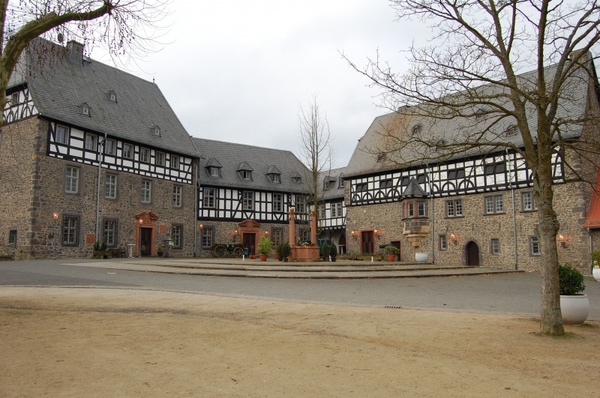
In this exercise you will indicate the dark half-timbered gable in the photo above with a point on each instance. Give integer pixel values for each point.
(332, 209)
(469, 207)
(247, 191)
(97, 155)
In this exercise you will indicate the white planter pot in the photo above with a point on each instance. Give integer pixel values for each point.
(596, 273)
(575, 309)
(421, 257)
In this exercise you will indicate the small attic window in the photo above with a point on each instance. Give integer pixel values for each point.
(14, 98)
(381, 157)
(341, 182)
(156, 131)
(246, 174)
(86, 110)
(297, 179)
(512, 131)
(214, 171)
(275, 178)
(416, 130)
(112, 96)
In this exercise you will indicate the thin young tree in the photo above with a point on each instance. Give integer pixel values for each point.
(472, 69)
(316, 150)
(122, 26)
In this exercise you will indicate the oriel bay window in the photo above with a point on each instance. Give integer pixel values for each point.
(415, 208)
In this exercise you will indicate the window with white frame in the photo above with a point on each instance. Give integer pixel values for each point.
(110, 186)
(454, 208)
(177, 236)
(62, 134)
(71, 179)
(91, 142)
(160, 158)
(495, 246)
(494, 204)
(527, 201)
(208, 234)
(248, 200)
(336, 209)
(110, 146)
(146, 191)
(174, 162)
(277, 202)
(534, 246)
(300, 203)
(144, 155)
(415, 208)
(70, 230)
(127, 151)
(443, 242)
(177, 195)
(110, 232)
(209, 197)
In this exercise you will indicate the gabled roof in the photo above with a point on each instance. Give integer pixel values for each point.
(61, 79)
(262, 162)
(333, 176)
(374, 152)
(413, 190)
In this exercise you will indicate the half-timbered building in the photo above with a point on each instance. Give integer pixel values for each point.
(91, 154)
(247, 191)
(474, 207)
(332, 209)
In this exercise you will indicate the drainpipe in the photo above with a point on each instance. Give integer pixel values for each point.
(196, 209)
(100, 158)
(515, 229)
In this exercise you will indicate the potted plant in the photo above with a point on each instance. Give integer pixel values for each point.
(333, 252)
(325, 252)
(596, 264)
(277, 253)
(574, 305)
(391, 252)
(285, 251)
(264, 247)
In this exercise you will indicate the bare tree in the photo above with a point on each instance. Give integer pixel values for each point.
(471, 71)
(316, 149)
(122, 26)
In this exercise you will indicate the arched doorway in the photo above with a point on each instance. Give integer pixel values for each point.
(472, 254)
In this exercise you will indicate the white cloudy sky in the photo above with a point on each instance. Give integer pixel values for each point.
(240, 71)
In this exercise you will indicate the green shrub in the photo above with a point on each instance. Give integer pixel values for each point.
(570, 280)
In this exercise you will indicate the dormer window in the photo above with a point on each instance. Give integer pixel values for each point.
(86, 110)
(328, 183)
(416, 130)
(512, 131)
(112, 96)
(341, 182)
(213, 168)
(245, 171)
(274, 175)
(214, 171)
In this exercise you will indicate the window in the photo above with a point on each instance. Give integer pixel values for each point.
(214, 171)
(454, 208)
(278, 202)
(276, 236)
(91, 142)
(322, 210)
(177, 236)
(512, 131)
(336, 209)
(246, 174)
(160, 158)
(109, 147)
(443, 242)
(127, 151)
(297, 179)
(110, 232)
(144, 155)
(156, 131)
(12, 237)
(534, 246)
(416, 130)
(248, 200)
(62, 134)
(456, 174)
(71, 179)
(275, 178)
(494, 204)
(341, 183)
(209, 198)
(174, 162)
(362, 187)
(495, 246)
(381, 157)
(112, 96)
(177, 195)
(207, 237)
(14, 98)
(415, 208)
(527, 201)
(300, 201)
(110, 186)
(70, 230)
(385, 184)
(146, 191)
(494, 168)
(85, 109)
(405, 181)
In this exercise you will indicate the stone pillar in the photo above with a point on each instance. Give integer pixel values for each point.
(292, 226)
(313, 227)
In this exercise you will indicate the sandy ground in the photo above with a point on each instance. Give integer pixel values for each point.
(120, 343)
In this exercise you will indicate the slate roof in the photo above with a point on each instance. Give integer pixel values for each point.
(334, 176)
(371, 154)
(232, 158)
(62, 80)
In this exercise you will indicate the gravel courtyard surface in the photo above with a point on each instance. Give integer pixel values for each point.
(74, 342)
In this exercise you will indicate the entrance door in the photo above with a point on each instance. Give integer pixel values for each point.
(249, 240)
(472, 252)
(145, 241)
(368, 245)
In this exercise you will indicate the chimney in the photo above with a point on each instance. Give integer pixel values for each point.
(75, 51)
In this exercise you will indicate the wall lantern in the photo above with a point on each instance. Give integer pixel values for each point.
(562, 240)
(377, 233)
(354, 234)
(454, 238)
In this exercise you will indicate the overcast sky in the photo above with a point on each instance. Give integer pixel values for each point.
(240, 71)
